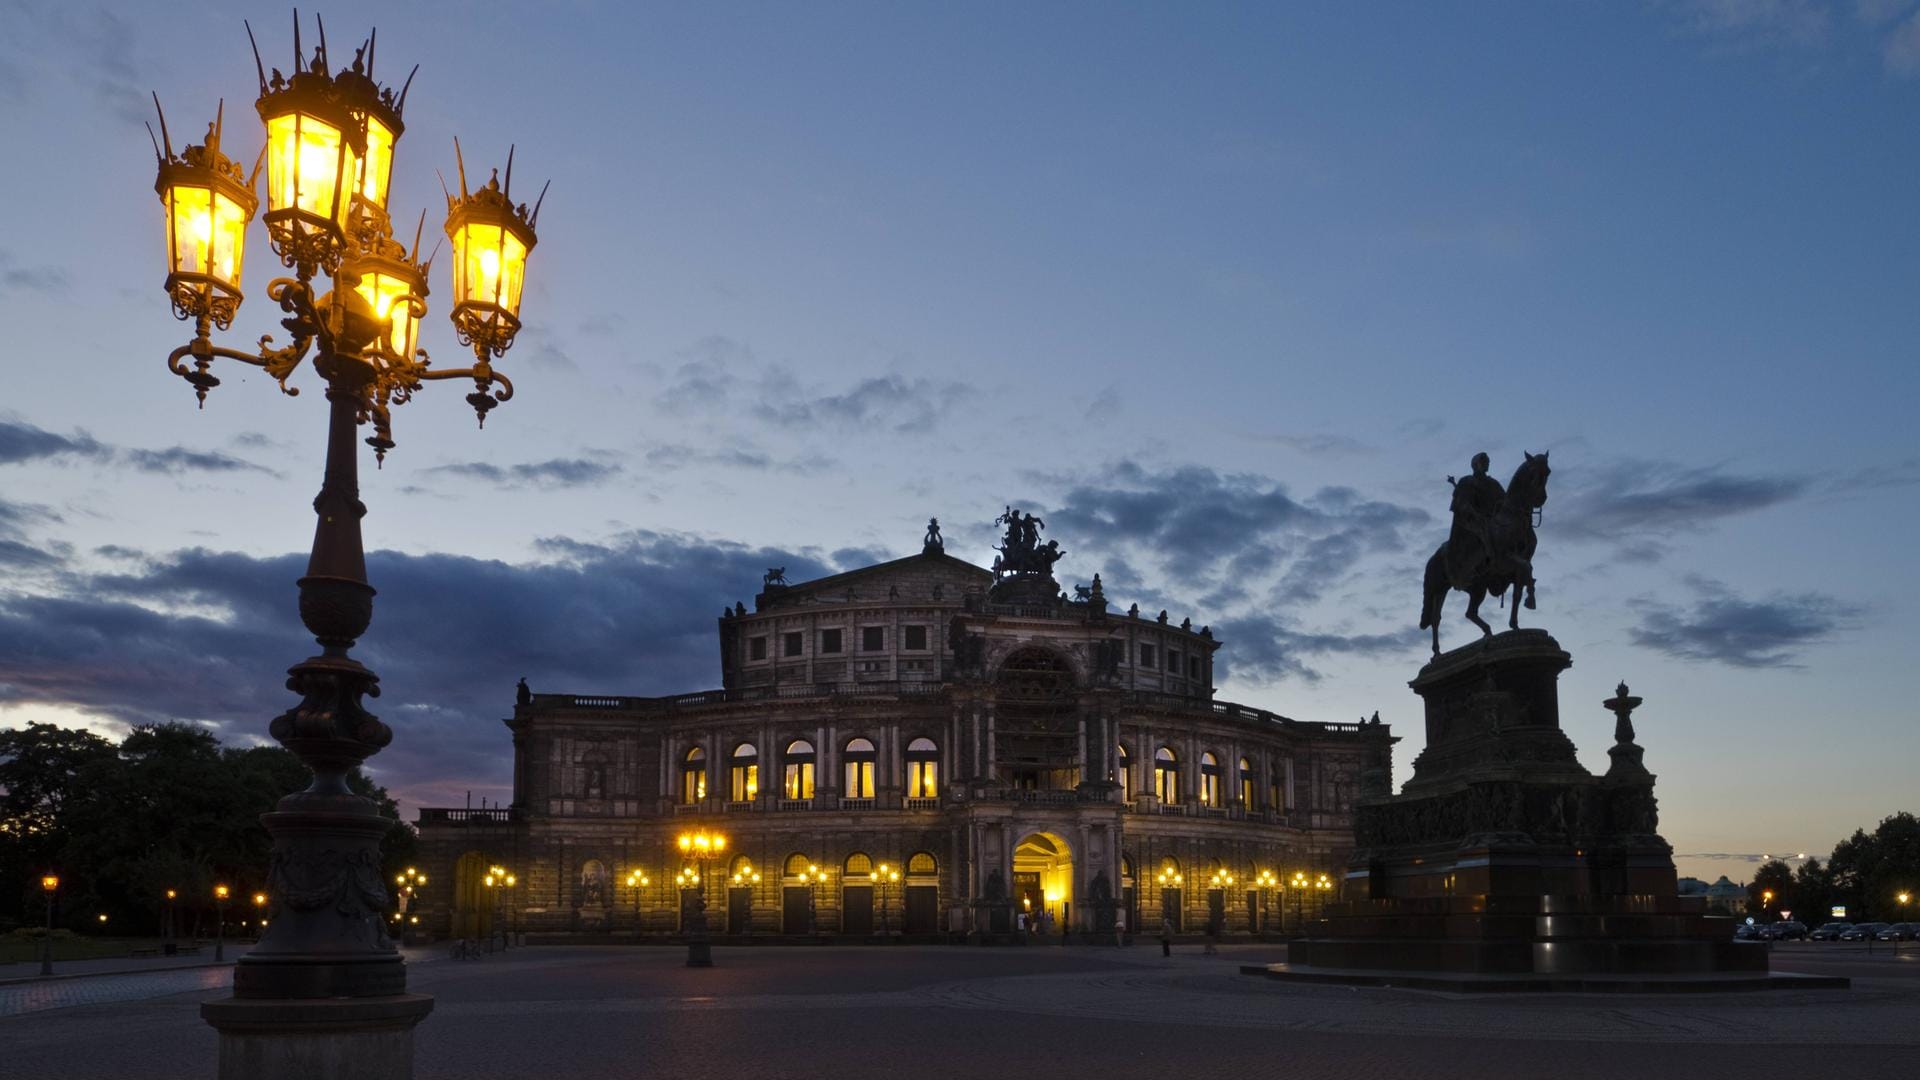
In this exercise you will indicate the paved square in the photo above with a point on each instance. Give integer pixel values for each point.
(968, 1012)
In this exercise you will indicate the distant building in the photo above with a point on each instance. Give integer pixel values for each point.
(1006, 749)
(1692, 886)
(1728, 896)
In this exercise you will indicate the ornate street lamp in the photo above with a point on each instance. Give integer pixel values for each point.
(500, 879)
(811, 879)
(1265, 882)
(49, 884)
(167, 944)
(330, 139)
(636, 880)
(881, 877)
(699, 845)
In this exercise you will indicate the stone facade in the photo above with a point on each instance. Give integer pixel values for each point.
(1004, 758)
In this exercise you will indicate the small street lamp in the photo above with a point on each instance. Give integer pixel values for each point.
(167, 943)
(220, 894)
(1904, 898)
(637, 881)
(260, 911)
(1264, 883)
(1221, 881)
(352, 302)
(408, 884)
(745, 878)
(881, 877)
(1169, 879)
(49, 884)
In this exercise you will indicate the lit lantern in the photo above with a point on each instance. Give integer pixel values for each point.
(314, 146)
(50, 883)
(491, 238)
(378, 112)
(209, 201)
(396, 288)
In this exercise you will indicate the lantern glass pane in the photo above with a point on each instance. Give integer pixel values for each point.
(376, 169)
(306, 158)
(191, 215)
(229, 239)
(382, 290)
(490, 265)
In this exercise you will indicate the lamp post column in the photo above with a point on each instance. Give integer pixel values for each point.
(48, 885)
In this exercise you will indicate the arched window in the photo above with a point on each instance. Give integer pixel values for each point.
(1124, 773)
(798, 781)
(744, 773)
(742, 870)
(922, 864)
(923, 769)
(797, 864)
(1166, 776)
(858, 864)
(858, 765)
(1126, 870)
(1209, 779)
(693, 776)
(1248, 789)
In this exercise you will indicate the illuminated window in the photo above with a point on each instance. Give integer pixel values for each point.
(744, 770)
(922, 864)
(1247, 783)
(797, 783)
(858, 763)
(797, 864)
(923, 769)
(1209, 780)
(1124, 773)
(858, 863)
(693, 776)
(1166, 776)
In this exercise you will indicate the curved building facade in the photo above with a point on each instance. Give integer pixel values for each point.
(921, 747)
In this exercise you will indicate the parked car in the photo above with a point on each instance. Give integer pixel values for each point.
(1863, 931)
(1786, 931)
(1829, 931)
(1746, 932)
(1900, 931)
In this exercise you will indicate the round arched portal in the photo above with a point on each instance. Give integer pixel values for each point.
(1043, 879)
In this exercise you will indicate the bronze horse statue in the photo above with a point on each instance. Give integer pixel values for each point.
(1512, 542)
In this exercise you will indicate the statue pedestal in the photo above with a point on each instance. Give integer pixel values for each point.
(1505, 861)
(369, 1038)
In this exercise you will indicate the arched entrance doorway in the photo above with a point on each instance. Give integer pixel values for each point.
(1043, 878)
(472, 903)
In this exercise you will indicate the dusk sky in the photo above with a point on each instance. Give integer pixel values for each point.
(1222, 293)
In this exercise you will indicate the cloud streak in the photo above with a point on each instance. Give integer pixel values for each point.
(21, 443)
(554, 472)
(1722, 627)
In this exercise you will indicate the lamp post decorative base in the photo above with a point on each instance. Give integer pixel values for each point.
(364, 1038)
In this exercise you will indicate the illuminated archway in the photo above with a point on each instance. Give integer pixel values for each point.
(1043, 877)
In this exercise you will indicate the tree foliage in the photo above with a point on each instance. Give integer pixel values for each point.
(169, 808)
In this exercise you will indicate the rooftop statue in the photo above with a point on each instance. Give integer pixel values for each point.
(1490, 548)
(1021, 552)
(933, 544)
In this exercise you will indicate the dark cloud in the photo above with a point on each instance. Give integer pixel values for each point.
(205, 636)
(1268, 648)
(905, 405)
(17, 555)
(1723, 627)
(21, 443)
(1323, 444)
(1630, 501)
(669, 457)
(556, 472)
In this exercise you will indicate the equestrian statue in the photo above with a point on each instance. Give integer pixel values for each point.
(1491, 546)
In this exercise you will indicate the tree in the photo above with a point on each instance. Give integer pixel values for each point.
(1813, 893)
(1775, 878)
(38, 765)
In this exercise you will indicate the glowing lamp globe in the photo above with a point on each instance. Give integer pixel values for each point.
(491, 239)
(396, 289)
(314, 146)
(208, 201)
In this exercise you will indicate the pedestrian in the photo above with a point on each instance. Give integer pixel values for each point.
(1120, 927)
(1213, 935)
(1166, 936)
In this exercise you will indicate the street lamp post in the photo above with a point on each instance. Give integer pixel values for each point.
(499, 879)
(1904, 898)
(745, 878)
(167, 943)
(882, 877)
(1264, 884)
(260, 914)
(49, 884)
(220, 894)
(330, 138)
(408, 882)
(1222, 881)
(1299, 885)
(700, 845)
(812, 878)
(1169, 879)
(636, 881)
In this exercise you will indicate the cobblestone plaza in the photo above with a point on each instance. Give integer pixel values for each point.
(964, 1012)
